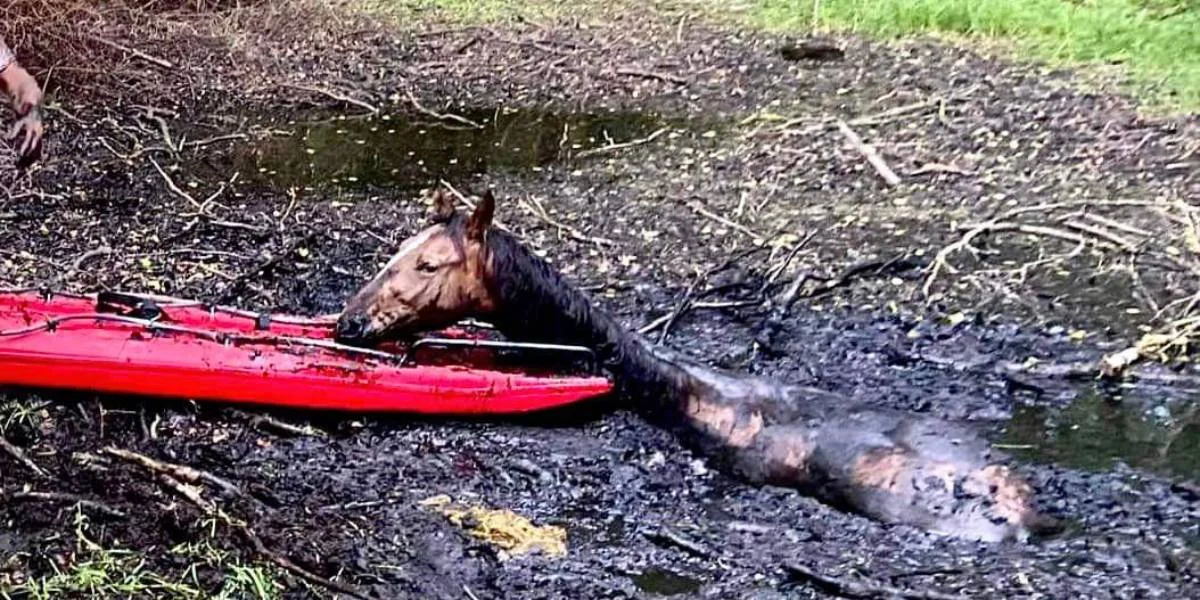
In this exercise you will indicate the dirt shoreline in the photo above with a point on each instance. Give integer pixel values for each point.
(988, 137)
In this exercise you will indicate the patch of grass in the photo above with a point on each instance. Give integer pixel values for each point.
(94, 571)
(1154, 41)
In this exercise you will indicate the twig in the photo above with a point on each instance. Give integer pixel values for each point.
(336, 96)
(469, 593)
(20, 456)
(440, 116)
(540, 212)
(704, 212)
(680, 307)
(214, 140)
(864, 588)
(869, 153)
(1113, 238)
(182, 472)
(286, 564)
(613, 147)
(174, 188)
(665, 535)
(667, 77)
(166, 64)
(272, 422)
(99, 507)
(974, 231)
(764, 337)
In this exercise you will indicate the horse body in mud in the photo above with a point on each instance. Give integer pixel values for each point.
(888, 465)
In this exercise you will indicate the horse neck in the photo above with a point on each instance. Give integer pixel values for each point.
(535, 303)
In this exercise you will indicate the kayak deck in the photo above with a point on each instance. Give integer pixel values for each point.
(165, 347)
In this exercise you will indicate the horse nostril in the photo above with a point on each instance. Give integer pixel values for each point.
(352, 328)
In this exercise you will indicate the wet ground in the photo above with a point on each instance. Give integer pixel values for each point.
(323, 193)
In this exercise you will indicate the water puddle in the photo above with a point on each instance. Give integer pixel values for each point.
(1095, 433)
(661, 582)
(407, 153)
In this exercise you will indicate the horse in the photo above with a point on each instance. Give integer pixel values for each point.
(895, 467)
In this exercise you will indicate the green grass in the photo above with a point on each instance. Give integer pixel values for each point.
(96, 572)
(1155, 42)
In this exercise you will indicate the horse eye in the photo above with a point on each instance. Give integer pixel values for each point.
(426, 267)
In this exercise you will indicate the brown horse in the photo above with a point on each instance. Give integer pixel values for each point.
(891, 466)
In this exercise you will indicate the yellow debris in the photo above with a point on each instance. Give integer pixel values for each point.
(512, 533)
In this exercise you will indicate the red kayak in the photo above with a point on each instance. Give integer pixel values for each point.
(166, 347)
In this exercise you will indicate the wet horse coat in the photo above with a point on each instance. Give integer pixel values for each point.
(888, 465)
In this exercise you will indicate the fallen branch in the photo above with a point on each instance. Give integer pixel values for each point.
(620, 146)
(774, 321)
(669, 537)
(288, 428)
(20, 456)
(178, 191)
(863, 588)
(336, 96)
(535, 206)
(440, 116)
(869, 153)
(704, 212)
(93, 505)
(180, 472)
(667, 77)
(166, 64)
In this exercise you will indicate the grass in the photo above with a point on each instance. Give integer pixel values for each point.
(1155, 42)
(96, 572)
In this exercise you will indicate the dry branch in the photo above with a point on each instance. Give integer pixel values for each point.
(613, 147)
(20, 456)
(336, 96)
(412, 99)
(869, 153)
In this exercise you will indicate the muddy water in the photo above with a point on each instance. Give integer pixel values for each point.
(1097, 432)
(406, 153)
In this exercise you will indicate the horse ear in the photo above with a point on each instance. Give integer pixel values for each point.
(481, 219)
(443, 205)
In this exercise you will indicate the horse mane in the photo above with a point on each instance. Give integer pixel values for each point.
(536, 303)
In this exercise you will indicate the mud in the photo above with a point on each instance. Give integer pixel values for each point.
(298, 232)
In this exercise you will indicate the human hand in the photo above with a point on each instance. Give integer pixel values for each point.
(26, 135)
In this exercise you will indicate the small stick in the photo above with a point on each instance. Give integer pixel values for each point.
(214, 140)
(307, 430)
(1125, 244)
(670, 537)
(612, 147)
(540, 212)
(869, 153)
(336, 96)
(21, 457)
(667, 77)
(704, 212)
(286, 564)
(440, 116)
(99, 507)
(862, 589)
(679, 309)
(185, 473)
(174, 188)
(166, 64)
